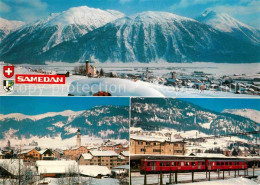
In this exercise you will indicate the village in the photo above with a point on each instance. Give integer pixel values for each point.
(173, 77)
(168, 142)
(31, 164)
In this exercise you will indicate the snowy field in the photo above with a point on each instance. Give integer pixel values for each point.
(83, 86)
(138, 179)
(84, 180)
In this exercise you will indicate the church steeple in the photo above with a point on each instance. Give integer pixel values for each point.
(78, 138)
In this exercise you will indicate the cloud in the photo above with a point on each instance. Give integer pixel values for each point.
(4, 7)
(188, 3)
(28, 10)
(251, 8)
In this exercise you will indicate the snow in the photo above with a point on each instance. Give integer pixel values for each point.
(103, 153)
(87, 156)
(138, 179)
(11, 165)
(210, 155)
(115, 86)
(83, 15)
(233, 181)
(125, 153)
(124, 87)
(59, 167)
(19, 116)
(10, 25)
(93, 170)
(248, 113)
(222, 21)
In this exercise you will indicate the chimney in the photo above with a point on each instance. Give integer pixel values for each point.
(87, 66)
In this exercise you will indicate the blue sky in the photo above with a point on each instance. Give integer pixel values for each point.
(246, 11)
(219, 105)
(40, 105)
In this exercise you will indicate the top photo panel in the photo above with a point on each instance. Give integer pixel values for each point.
(137, 48)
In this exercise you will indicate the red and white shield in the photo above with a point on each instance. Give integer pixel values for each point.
(8, 71)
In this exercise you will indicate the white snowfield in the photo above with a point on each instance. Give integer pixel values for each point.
(248, 113)
(138, 179)
(234, 181)
(19, 116)
(126, 87)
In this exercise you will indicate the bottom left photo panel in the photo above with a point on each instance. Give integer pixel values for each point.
(64, 140)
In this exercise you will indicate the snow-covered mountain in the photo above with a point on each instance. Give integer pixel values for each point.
(168, 113)
(7, 26)
(155, 36)
(143, 37)
(225, 23)
(41, 35)
(100, 121)
(248, 113)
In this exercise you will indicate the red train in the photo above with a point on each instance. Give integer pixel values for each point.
(166, 166)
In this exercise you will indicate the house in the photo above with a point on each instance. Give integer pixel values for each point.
(59, 168)
(1, 155)
(156, 146)
(102, 158)
(126, 155)
(74, 153)
(10, 167)
(120, 171)
(91, 70)
(58, 154)
(94, 171)
(47, 154)
(30, 155)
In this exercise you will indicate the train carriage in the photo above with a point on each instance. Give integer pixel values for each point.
(166, 166)
(213, 165)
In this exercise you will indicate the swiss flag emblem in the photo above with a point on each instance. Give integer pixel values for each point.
(8, 71)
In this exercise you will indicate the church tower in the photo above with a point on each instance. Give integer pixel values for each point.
(78, 138)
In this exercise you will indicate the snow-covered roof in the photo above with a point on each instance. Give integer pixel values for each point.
(87, 156)
(103, 153)
(149, 138)
(93, 170)
(122, 167)
(58, 167)
(211, 155)
(11, 165)
(125, 153)
(42, 151)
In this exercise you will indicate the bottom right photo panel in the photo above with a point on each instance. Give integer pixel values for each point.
(194, 140)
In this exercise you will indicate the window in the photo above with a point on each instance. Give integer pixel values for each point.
(154, 143)
(187, 164)
(140, 142)
(147, 143)
(168, 163)
(230, 163)
(218, 163)
(203, 163)
(192, 163)
(143, 150)
(226, 163)
(173, 163)
(156, 150)
(222, 163)
(148, 163)
(161, 163)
